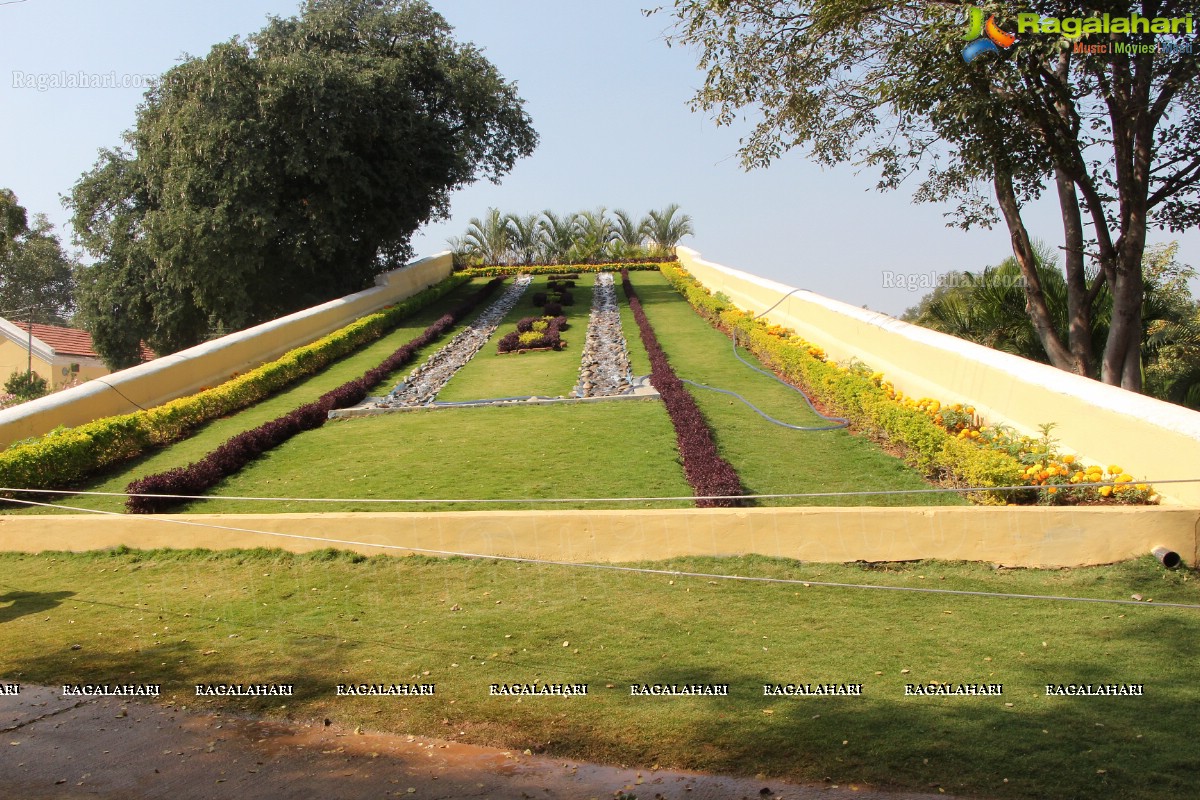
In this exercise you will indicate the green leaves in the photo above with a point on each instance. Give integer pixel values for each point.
(287, 169)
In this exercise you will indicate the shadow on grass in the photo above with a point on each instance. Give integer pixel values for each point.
(24, 603)
(1021, 744)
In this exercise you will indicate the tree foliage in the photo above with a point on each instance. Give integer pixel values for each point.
(885, 85)
(36, 276)
(286, 169)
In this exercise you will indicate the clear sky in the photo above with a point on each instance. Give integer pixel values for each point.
(607, 96)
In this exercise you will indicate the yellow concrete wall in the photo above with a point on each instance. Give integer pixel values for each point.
(1018, 537)
(1151, 439)
(212, 363)
(14, 358)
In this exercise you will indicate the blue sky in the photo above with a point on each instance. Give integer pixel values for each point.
(607, 96)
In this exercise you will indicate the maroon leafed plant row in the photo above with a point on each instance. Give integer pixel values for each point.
(239, 450)
(709, 474)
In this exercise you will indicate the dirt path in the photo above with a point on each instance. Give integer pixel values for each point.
(66, 749)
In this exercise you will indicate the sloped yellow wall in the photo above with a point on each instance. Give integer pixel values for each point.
(212, 363)
(1152, 440)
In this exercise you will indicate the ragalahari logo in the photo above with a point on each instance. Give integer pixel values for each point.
(984, 36)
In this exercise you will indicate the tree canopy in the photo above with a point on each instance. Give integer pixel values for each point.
(1114, 127)
(286, 169)
(36, 280)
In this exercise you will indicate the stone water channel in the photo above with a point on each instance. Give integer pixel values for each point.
(423, 383)
(604, 369)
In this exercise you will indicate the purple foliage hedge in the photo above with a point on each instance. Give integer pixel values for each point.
(239, 450)
(705, 469)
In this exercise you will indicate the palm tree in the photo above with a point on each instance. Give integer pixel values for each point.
(558, 234)
(628, 236)
(524, 237)
(488, 240)
(593, 232)
(664, 229)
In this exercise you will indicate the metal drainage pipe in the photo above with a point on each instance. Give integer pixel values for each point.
(1166, 556)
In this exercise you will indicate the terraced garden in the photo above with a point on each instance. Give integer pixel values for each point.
(182, 617)
(623, 449)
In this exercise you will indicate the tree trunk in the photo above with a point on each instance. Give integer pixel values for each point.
(1079, 310)
(1123, 350)
(1035, 298)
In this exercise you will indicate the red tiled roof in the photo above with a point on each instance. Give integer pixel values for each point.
(71, 341)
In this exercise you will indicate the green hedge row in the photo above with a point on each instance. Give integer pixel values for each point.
(64, 456)
(557, 269)
(852, 394)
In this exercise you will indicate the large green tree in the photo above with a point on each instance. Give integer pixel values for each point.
(286, 169)
(885, 84)
(36, 278)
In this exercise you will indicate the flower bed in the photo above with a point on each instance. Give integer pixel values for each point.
(709, 474)
(241, 449)
(947, 442)
(64, 456)
(534, 333)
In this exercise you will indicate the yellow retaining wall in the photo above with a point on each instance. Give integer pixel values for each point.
(212, 363)
(1018, 537)
(1149, 438)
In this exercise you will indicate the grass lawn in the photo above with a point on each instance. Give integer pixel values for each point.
(181, 618)
(549, 374)
(213, 434)
(616, 449)
(768, 458)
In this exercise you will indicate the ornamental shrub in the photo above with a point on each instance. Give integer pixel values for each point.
(859, 396)
(26, 386)
(552, 309)
(708, 473)
(239, 450)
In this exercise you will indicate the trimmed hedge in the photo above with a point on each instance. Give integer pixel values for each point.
(528, 336)
(923, 444)
(557, 269)
(239, 450)
(705, 469)
(65, 456)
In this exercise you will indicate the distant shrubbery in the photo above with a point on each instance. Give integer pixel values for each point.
(584, 237)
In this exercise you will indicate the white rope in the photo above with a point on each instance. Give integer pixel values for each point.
(689, 498)
(616, 567)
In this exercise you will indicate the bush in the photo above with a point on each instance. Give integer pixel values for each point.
(239, 450)
(708, 473)
(556, 270)
(534, 333)
(26, 386)
(63, 457)
(858, 396)
(552, 309)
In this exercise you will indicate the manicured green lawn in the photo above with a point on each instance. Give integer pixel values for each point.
(213, 434)
(492, 374)
(615, 449)
(181, 618)
(768, 458)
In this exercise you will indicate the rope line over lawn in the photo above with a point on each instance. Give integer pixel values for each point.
(616, 567)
